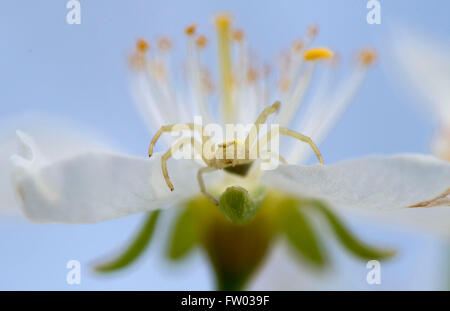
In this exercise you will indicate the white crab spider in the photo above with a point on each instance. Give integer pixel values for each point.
(238, 163)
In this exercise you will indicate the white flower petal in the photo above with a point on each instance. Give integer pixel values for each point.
(370, 183)
(434, 220)
(96, 186)
(424, 64)
(57, 137)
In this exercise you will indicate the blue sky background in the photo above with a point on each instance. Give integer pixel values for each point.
(80, 72)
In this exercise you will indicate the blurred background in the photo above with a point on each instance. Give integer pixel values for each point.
(78, 75)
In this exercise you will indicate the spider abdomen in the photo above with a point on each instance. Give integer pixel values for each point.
(240, 169)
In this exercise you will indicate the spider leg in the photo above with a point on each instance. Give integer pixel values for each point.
(266, 138)
(303, 138)
(267, 112)
(288, 132)
(201, 183)
(174, 128)
(260, 120)
(170, 152)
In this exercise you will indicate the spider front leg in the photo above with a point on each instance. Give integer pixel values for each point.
(303, 138)
(171, 151)
(260, 120)
(273, 155)
(288, 132)
(201, 183)
(174, 128)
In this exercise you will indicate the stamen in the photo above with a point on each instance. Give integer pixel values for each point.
(160, 79)
(190, 30)
(284, 84)
(294, 62)
(313, 30)
(317, 54)
(197, 73)
(142, 45)
(138, 60)
(293, 79)
(246, 80)
(265, 91)
(158, 70)
(164, 44)
(223, 23)
(159, 83)
(207, 82)
(238, 35)
(252, 75)
(295, 96)
(322, 117)
(267, 69)
(201, 42)
(334, 61)
(298, 45)
(367, 56)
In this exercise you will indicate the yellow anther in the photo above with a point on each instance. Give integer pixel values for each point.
(313, 30)
(367, 56)
(201, 41)
(164, 44)
(223, 20)
(190, 30)
(138, 59)
(316, 54)
(238, 35)
(142, 45)
(298, 45)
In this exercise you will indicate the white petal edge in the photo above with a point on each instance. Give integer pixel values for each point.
(96, 186)
(57, 137)
(377, 183)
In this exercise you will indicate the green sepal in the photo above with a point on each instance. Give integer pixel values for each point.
(347, 239)
(135, 249)
(238, 206)
(301, 235)
(185, 233)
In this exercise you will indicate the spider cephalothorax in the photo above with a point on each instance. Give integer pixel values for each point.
(233, 156)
